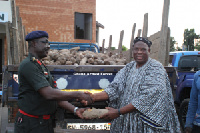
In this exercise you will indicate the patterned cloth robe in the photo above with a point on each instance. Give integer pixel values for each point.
(148, 89)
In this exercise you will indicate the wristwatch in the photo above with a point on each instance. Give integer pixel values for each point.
(75, 110)
(120, 115)
(119, 112)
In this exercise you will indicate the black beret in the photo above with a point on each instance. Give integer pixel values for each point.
(36, 34)
(137, 39)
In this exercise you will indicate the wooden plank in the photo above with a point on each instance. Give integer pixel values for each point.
(120, 42)
(15, 40)
(11, 42)
(139, 32)
(164, 33)
(131, 43)
(79, 68)
(19, 25)
(4, 51)
(145, 26)
(167, 47)
(103, 45)
(110, 44)
(23, 42)
(9, 57)
(20, 39)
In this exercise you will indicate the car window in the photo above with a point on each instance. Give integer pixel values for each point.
(189, 63)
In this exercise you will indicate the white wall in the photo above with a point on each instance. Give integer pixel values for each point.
(5, 7)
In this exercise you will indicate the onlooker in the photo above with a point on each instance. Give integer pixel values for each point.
(193, 115)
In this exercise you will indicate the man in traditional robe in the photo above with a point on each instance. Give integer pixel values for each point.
(140, 96)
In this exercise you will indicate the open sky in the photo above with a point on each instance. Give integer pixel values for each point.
(118, 15)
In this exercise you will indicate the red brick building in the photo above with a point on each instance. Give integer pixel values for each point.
(64, 20)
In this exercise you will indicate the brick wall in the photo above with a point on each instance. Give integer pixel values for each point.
(56, 17)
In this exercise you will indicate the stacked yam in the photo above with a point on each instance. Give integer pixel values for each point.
(75, 57)
(94, 113)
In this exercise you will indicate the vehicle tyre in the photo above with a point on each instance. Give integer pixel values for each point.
(183, 112)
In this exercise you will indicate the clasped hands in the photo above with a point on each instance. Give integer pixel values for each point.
(86, 99)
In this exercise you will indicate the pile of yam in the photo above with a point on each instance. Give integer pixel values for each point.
(94, 113)
(75, 57)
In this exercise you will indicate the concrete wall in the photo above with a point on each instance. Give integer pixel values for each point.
(155, 47)
(56, 17)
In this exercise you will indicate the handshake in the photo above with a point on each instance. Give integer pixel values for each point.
(87, 98)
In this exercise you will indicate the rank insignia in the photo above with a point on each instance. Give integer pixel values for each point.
(33, 58)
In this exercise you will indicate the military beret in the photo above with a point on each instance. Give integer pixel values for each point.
(36, 34)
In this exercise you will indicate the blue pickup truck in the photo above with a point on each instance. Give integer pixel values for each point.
(69, 45)
(187, 64)
(92, 78)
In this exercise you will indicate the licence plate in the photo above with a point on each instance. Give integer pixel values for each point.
(89, 126)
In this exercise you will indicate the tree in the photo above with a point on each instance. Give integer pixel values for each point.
(179, 49)
(197, 46)
(189, 36)
(172, 42)
(124, 48)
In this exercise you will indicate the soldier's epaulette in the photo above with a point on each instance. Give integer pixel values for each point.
(36, 60)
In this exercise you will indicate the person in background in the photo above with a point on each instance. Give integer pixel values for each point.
(38, 99)
(140, 97)
(193, 115)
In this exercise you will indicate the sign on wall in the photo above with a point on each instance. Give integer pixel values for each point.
(3, 17)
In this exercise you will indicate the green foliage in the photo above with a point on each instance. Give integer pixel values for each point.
(179, 49)
(189, 36)
(113, 48)
(124, 48)
(197, 46)
(172, 42)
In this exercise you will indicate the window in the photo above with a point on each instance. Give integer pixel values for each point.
(83, 26)
(172, 58)
(189, 63)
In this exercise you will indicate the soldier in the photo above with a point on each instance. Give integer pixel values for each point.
(37, 99)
